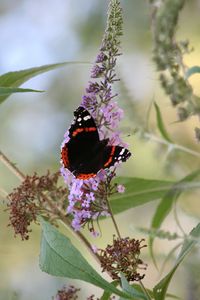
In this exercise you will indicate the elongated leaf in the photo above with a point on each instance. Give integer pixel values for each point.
(10, 90)
(15, 79)
(160, 124)
(126, 287)
(191, 71)
(106, 295)
(138, 192)
(147, 117)
(169, 256)
(161, 288)
(166, 203)
(162, 211)
(150, 292)
(59, 257)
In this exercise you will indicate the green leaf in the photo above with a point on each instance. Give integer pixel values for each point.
(147, 117)
(162, 211)
(15, 79)
(10, 90)
(150, 292)
(169, 256)
(161, 288)
(191, 71)
(138, 192)
(160, 124)
(126, 287)
(166, 203)
(106, 295)
(59, 257)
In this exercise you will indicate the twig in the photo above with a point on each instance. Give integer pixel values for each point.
(113, 218)
(4, 194)
(177, 219)
(111, 213)
(11, 166)
(145, 290)
(172, 146)
(81, 237)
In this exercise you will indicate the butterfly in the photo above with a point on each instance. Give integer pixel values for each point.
(85, 154)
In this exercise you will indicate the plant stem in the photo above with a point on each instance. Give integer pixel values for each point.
(112, 217)
(145, 290)
(177, 219)
(4, 194)
(11, 166)
(172, 146)
(81, 238)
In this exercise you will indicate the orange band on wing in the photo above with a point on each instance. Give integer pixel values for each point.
(85, 176)
(90, 129)
(111, 157)
(77, 131)
(64, 156)
(87, 129)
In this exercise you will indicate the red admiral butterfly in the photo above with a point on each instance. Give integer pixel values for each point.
(84, 154)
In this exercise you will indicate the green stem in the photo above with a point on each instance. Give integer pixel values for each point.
(177, 219)
(80, 236)
(172, 146)
(11, 166)
(112, 217)
(3, 194)
(145, 290)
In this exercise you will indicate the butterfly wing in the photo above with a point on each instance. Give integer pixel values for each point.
(103, 157)
(78, 152)
(114, 154)
(84, 154)
(83, 126)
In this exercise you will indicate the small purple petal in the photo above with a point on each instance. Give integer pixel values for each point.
(94, 248)
(95, 233)
(120, 188)
(97, 71)
(101, 57)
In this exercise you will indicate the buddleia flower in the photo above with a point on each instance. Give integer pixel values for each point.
(87, 197)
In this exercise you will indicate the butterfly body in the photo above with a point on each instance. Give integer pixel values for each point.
(85, 154)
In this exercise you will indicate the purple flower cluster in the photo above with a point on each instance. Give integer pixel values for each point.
(87, 197)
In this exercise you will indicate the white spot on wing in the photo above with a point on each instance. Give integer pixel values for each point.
(122, 151)
(87, 118)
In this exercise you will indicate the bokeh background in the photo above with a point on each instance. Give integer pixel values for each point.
(32, 126)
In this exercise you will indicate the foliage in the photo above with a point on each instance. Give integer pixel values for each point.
(87, 200)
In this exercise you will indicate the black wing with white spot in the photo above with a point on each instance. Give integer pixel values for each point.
(114, 154)
(84, 154)
(83, 123)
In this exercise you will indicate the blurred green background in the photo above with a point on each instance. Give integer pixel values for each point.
(37, 32)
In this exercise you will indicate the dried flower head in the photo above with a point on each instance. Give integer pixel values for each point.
(123, 256)
(67, 293)
(28, 201)
(92, 297)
